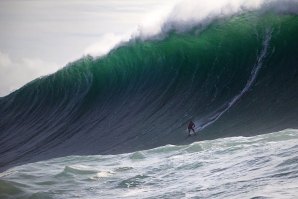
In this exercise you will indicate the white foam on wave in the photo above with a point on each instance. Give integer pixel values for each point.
(235, 167)
(102, 174)
(183, 15)
(186, 14)
(189, 13)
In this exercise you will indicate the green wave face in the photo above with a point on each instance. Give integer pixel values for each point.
(238, 76)
(202, 69)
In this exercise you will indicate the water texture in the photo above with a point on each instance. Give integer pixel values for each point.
(237, 76)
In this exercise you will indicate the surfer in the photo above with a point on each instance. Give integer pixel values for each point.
(191, 127)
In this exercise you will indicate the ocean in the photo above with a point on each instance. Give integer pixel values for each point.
(114, 126)
(264, 166)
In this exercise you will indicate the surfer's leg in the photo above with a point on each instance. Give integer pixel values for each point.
(193, 131)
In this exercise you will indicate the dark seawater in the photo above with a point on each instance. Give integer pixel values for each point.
(236, 77)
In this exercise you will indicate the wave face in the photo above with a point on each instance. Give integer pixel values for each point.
(263, 166)
(237, 76)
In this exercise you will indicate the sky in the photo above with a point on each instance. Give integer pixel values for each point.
(38, 37)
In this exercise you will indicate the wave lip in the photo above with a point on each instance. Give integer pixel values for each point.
(188, 14)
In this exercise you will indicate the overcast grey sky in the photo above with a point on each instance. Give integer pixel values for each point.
(37, 37)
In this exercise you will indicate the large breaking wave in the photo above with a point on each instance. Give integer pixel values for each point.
(236, 76)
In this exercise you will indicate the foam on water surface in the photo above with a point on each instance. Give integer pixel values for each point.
(263, 166)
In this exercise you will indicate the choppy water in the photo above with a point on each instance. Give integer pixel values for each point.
(264, 166)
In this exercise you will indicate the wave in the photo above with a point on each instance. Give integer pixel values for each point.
(183, 16)
(253, 167)
(236, 77)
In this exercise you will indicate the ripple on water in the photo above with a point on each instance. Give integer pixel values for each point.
(8, 188)
(133, 182)
(123, 169)
(137, 156)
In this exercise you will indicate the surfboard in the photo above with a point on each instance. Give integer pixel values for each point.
(191, 135)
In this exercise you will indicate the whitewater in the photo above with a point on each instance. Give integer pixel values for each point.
(264, 166)
(114, 126)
